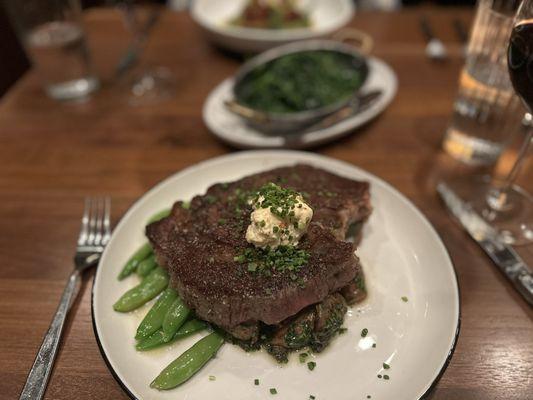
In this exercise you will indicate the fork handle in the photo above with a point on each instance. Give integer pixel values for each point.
(42, 366)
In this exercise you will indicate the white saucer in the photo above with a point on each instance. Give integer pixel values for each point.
(233, 130)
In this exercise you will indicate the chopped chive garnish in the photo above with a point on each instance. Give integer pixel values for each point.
(273, 391)
(379, 376)
(386, 377)
(302, 357)
(342, 330)
(374, 345)
(364, 332)
(386, 366)
(256, 382)
(405, 299)
(186, 205)
(210, 199)
(311, 365)
(368, 396)
(311, 397)
(212, 378)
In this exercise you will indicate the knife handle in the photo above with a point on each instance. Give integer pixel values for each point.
(524, 283)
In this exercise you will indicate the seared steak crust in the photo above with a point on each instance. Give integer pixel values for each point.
(198, 245)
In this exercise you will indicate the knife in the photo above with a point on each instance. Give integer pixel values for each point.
(503, 255)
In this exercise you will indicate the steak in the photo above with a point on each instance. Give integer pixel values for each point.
(199, 242)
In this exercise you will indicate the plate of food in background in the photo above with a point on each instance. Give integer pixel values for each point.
(252, 26)
(268, 273)
(301, 95)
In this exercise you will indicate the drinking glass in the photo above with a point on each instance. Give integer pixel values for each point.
(54, 38)
(146, 84)
(485, 110)
(506, 206)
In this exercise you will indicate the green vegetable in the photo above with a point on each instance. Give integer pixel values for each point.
(134, 261)
(157, 338)
(190, 362)
(176, 315)
(150, 287)
(282, 259)
(256, 382)
(311, 365)
(160, 215)
(405, 299)
(273, 391)
(386, 366)
(154, 319)
(364, 332)
(301, 81)
(212, 378)
(386, 377)
(146, 266)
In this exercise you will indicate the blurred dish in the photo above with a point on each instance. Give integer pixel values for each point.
(293, 86)
(271, 14)
(325, 17)
(234, 130)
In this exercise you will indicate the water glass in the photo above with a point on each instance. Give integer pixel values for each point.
(486, 111)
(54, 38)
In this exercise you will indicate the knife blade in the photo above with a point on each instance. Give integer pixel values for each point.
(503, 255)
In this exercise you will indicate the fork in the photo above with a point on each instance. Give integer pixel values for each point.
(94, 235)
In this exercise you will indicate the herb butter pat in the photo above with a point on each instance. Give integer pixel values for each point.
(280, 217)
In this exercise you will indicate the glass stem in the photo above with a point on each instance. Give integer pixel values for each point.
(497, 198)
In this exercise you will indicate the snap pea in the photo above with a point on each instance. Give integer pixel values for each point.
(154, 319)
(160, 215)
(175, 317)
(146, 266)
(157, 338)
(190, 362)
(150, 287)
(134, 260)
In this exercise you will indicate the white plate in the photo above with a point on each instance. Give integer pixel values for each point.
(213, 16)
(233, 130)
(401, 253)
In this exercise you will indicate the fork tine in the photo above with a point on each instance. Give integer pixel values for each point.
(107, 220)
(84, 231)
(92, 222)
(99, 221)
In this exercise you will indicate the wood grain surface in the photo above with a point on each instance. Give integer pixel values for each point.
(53, 154)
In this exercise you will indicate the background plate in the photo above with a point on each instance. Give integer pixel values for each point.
(213, 17)
(401, 254)
(233, 130)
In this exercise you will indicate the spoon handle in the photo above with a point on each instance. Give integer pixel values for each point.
(426, 29)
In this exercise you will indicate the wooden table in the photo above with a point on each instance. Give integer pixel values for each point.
(53, 155)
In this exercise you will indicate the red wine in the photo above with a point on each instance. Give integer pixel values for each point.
(520, 61)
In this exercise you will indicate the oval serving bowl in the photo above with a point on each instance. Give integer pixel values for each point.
(274, 123)
(213, 17)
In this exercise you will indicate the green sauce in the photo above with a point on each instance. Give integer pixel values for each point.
(301, 81)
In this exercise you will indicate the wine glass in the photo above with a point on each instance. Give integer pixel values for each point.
(147, 84)
(506, 206)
